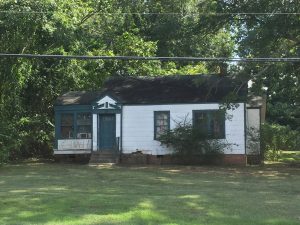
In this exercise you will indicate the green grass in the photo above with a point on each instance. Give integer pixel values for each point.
(290, 157)
(41, 193)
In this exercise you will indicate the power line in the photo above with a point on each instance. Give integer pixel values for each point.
(150, 58)
(166, 13)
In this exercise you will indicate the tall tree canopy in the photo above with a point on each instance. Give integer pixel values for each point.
(272, 35)
(28, 87)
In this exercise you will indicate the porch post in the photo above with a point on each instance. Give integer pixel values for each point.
(118, 128)
(95, 131)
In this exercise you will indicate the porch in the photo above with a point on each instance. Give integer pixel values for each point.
(84, 129)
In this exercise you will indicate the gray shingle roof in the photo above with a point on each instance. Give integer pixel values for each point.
(161, 89)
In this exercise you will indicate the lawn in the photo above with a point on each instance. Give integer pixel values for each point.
(291, 157)
(48, 193)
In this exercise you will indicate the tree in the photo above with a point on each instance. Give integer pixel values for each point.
(271, 35)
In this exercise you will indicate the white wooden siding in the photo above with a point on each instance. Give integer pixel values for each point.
(138, 126)
(74, 144)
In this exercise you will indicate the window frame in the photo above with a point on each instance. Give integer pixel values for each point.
(77, 125)
(74, 125)
(156, 113)
(61, 126)
(223, 132)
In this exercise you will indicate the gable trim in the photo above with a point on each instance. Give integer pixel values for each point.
(109, 104)
(103, 96)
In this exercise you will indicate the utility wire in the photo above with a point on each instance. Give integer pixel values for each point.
(150, 58)
(166, 13)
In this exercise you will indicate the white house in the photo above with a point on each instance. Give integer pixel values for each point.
(130, 113)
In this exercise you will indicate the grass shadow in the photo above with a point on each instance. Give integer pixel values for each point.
(43, 193)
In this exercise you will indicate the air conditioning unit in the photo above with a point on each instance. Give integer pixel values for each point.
(83, 135)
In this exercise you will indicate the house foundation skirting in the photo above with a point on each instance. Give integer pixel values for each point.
(142, 159)
(235, 159)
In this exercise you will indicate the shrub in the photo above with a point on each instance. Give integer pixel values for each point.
(273, 154)
(36, 137)
(8, 140)
(28, 137)
(187, 140)
(276, 138)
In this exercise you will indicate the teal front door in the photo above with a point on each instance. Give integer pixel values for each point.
(107, 131)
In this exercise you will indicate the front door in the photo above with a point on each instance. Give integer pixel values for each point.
(107, 131)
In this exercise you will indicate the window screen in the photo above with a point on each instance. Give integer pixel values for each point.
(211, 122)
(84, 126)
(161, 122)
(67, 128)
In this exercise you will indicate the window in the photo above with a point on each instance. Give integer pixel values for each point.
(212, 122)
(67, 128)
(161, 123)
(84, 125)
(76, 125)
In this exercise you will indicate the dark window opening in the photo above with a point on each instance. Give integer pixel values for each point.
(84, 126)
(161, 123)
(77, 126)
(210, 122)
(67, 128)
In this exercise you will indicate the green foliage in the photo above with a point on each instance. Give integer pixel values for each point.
(36, 137)
(270, 36)
(187, 140)
(273, 154)
(133, 45)
(8, 140)
(290, 157)
(276, 138)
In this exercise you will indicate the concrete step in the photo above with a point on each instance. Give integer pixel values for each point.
(103, 153)
(102, 161)
(96, 155)
(105, 156)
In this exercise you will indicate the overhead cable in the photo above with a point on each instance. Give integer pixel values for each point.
(161, 13)
(151, 58)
